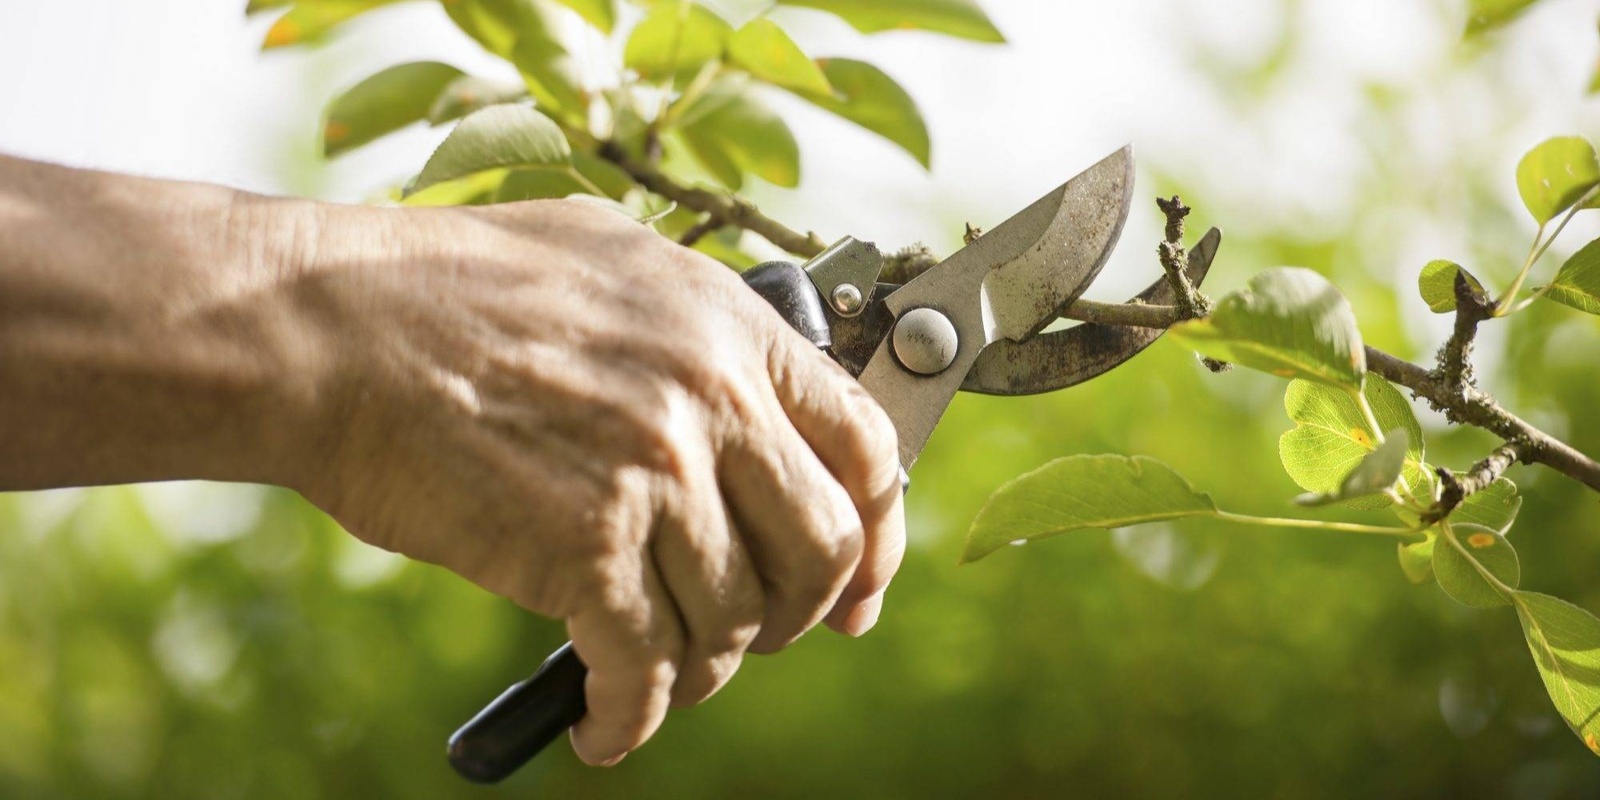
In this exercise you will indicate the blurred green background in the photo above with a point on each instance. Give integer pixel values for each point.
(208, 641)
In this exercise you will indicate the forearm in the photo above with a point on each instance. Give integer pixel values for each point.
(146, 330)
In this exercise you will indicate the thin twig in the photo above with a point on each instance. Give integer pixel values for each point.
(1175, 260)
(705, 227)
(1458, 487)
(733, 210)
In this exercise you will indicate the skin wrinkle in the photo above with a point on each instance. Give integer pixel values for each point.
(546, 398)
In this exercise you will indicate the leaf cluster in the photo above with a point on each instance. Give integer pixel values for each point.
(690, 97)
(1356, 442)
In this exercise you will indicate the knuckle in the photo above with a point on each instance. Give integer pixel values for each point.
(872, 438)
(821, 561)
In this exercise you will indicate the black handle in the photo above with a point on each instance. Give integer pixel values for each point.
(530, 715)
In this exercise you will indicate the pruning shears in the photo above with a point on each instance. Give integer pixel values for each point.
(973, 323)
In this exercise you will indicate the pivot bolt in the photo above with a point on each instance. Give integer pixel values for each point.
(925, 341)
(846, 299)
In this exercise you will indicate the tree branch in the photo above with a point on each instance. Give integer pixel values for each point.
(1457, 488)
(1454, 360)
(731, 210)
(705, 227)
(1464, 405)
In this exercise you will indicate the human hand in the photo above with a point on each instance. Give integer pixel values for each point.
(565, 408)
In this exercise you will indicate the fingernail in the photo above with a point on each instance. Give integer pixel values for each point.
(864, 616)
(614, 761)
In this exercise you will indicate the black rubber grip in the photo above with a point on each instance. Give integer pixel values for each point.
(523, 720)
(530, 715)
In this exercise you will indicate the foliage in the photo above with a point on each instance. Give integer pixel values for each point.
(693, 86)
(1357, 440)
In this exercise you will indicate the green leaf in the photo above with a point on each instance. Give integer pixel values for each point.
(505, 136)
(1555, 175)
(1330, 438)
(494, 24)
(1372, 476)
(602, 14)
(1469, 559)
(962, 18)
(551, 74)
(765, 51)
(309, 20)
(866, 96)
(1076, 492)
(1494, 507)
(1483, 15)
(1577, 284)
(1416, 559)
(258, 6)
(476, 189)
(469, 93)
(588, 174)
(1437, 284)
(384, 103)
(1290, 322)
(1565, 641)
(524, 33)
(675, 38)
(732, 132)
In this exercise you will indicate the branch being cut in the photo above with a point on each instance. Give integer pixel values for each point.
(1464, 405)
(1175, 260)
(1451, 394)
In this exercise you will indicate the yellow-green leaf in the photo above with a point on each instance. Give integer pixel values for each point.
(1331, 438)
(1290, 322)
(1085, 491)
(1437, 284)
(550, 73)
(309, 20)
(1555, 175)
(1483, 15)
(258, 6)
(732, 132)
(1416, 559)
(602, 14)
(1374, 474)
(587, 175)
(765, 51)
(476, 189)
(675, 38)
(961, 18)
(507, 136)
(1577, 284)
(870, 98)
(1565, 642)
(469, 93)
(1475, 565)
(384, 103)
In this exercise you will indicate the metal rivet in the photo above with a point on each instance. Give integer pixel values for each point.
(846, 299)
(925, 341)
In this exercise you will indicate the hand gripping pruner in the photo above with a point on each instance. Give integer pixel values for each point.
(971, 323)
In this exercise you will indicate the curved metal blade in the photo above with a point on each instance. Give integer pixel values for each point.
(1009, 283)
(1059, 359)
